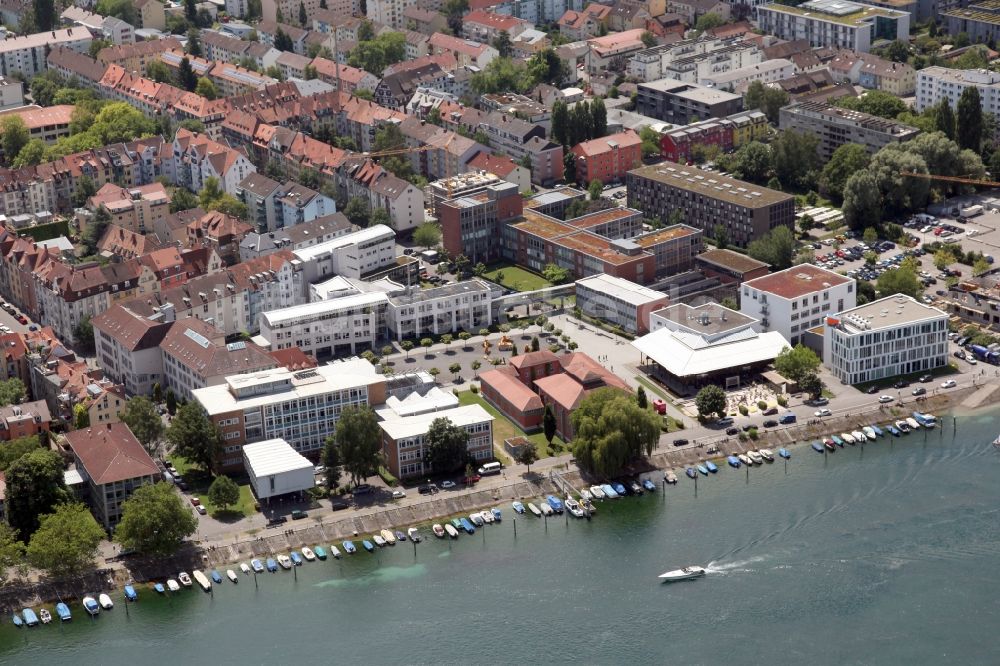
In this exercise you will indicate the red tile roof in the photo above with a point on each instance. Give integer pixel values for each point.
(798, 281)
(517, 394)
(111, 453)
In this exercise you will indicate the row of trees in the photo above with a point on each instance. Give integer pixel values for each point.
(587, 120)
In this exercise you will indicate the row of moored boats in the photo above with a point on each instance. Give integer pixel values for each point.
(916, 421)
(28, 618)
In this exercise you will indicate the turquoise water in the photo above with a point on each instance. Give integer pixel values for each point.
(886, 554)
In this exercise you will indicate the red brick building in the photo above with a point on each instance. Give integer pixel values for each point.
(29, 418)
(608, 158)
(676, 145)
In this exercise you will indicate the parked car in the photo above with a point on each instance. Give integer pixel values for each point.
(363, 489)
(823, 412)
(770, 423)
(201, 509)
(901, 384)
(959, 354)
(195, 501)
(426, 489)
(680, 441)
(885, 398)
(819, 402)
(298, 514)
(398, 494)
(950, 383)
(919, 391)
(926, 378)
(872, 390)
(469, 480)
(771, 412)
(786, 419)
(732, 431)
(445, 485)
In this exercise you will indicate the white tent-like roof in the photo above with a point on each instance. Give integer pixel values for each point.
(686, 355)
(273, 457)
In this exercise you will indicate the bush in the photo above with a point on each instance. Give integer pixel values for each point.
(743, 410)
(743, 437)
(783, 401)
(753, 434)
(761, 405)
(387, 476)
(679, 424)
(474, 389)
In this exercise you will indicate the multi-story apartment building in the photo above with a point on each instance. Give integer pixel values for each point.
(353, 255)
(404, 435)
(796, 299)
(389, 12)
(896, 335)
(196, 157)
(113, 465)
(618, 301)
(127, 346)
(691, 60)
(470, 221)
(681, 103)
(835, 126)
(25, 56)
(834, 23)
(737, 80)
(462, 306)
(608, 158)
(137, 209)
(272, 205)
(728, 133)
(937, 83)
(301, 407)
(288, 10)
(708, 200)
(979, 20)
(331, 328)
(48, 124)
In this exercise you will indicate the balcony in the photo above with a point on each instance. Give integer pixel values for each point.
(763, 309)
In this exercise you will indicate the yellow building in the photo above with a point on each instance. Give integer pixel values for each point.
(747, 126)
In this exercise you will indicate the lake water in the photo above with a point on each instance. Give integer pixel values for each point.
(884, 555)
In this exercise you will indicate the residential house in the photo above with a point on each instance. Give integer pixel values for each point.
(128, 347)
(25, 55)
(197, 157)
(26, 419)
(583, 25)
(607, 159)
(466, 52)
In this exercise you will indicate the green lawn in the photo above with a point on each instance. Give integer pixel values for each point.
(887, 382)
(504, 428)
(198, 481)
(517, 278)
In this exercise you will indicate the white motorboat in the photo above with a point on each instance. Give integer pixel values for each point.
(869, 432)
(284, 561)
(670, 478)
(745, 459)
(682, 574)
(768, 455)
(912, 422)
(438, 530)
(450, 529)
(585, 495)
(903, 426)
(487, 517)
(105, 601)
(547, 510)
(244, 568)
(848, 437)
(308, 554)
(184, 579)
(379, 541)
(756, 457)
(172, 585)
(45, 615)
(477, 519)
(574, 507)
(90, 605)
(414, 535)
(335, 552)
(232, 575)
(859, 436)
(388, 537)
(534, 510)
(203, 580)
(597, 492)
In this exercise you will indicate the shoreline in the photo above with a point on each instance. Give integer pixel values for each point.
(207, 556)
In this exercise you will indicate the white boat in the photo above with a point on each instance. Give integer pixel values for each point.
(335, 552)
(105, 601)
(308, 554)
(574, 507)
(244, 568)
(172, 585)
(870, 432)
(203, 580)
(414, 535)
(477, 519)
(745, 459)
(389, 537)
(847, 437)
(534, 509)
(682, 574)
(597, 492)
(438, 530)
(45, 615)
(450, 529)
(670, 478)
(232, 575)
(768, 455)
(755, 457)
(903, 426)
(488, 517)
(859, 436)
(90, 605)
(912, 422)
(284, 561)
(585, 495)
(546, 509)
(379, 541)
(184, 579)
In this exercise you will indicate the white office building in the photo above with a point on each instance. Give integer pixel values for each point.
(351, 255)
(331, 328)
(275, 468)
(834, 23)
(618, 301)
(796, 299)
(896, 335)
(446, 309)
(937, 83)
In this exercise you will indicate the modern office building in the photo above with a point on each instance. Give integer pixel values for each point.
(937, 83)
(300, 407)
(979, 20)
(708, 200)
(353, 255)
(896, 335)
(619, 302)
(834, 23)
(834, 126)
(681, 103)
(796, 299)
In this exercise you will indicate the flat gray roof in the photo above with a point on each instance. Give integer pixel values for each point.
(889, 312)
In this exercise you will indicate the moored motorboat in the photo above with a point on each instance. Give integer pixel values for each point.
(711, 466)
(400, 536)
(926, 420)
(745, 459)
(756, 457)
(349, 547)
(620, 489)
(555, 503)
(45, 615)
(574, 507)
(105, 601)
(296, 558)
(488, 517)
(62, 610)
(597, 492)
(320, 552)
(203, 580)
(650, 486)
(477, 519)
(184, 579)
(878, 431)
(389, 537)
(518, 507)
(173, 585)
(784, 453)
(308, 554)
(90, 605)
(903, 427)
(767, 455)
(438, 530)
(682, 574)
(232, 576)
(216, 577)
(272, 564)
(893, 430)
(158, 588)
(830, 445)
(131, 594)
(847, 437)
(609, 491)
(467, 526)
(702, 469)
(546, 509)
(497, 515)
(379, 541)
(456, 523)
(284, 561)
(818, 447)
(335, 552)
(244, 569)
(836, 440)
(414, 535)
(912, 422)
(690, 472)
(635, 488)
(670, 478)
(534, 510)
(450, 529)
(586, 495)
(368, 545)
(16, 619)
(859, 436)
(257, 565)
(30, 619)
(733, 461)
(869, 432)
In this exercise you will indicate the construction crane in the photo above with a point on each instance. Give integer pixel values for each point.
(963, 180)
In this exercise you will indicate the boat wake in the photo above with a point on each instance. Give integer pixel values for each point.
(742, 565)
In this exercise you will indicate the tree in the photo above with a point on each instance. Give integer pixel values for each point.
(943, 258)
(194, 42)
(711, 400)
(980, 266)
(123, 9)
(12, 392)
(944, 118)
(794, 363)
(282, 41)
(776, 248)
(610, 430)
(447, 446)
(32, 154)
(157, 393)
(876, 103)
(13, 136)
(376, 54)
(171, 402)
(648, 39)
(769, 100)
(899, 281)
(155, 521)
(475, 365)
(426, 343)
(357, 211)
(796, 160)
(549, 424)
(650, 141)
(502, 74)
(44, 13)
(560, 121)
(641, 399)
(535, 344)
(870, 235)
(970, 119)
(752, 161)
(206, 89)
(186, 78)
(454, 369)
(862, 201)
(331, 461)
(427, 235)
(193, 435)
(812, 385)
(569, 167)
(14, 449)
(11, 551)
(141, 417)
(303, 17)
(182, 200)
(223, 492)
(599, 118)
(66, 541)
(526, 455)
(359, 439)
(847, 160)
(595, 188)
(708, 21)
(555, 274)
(503, 45)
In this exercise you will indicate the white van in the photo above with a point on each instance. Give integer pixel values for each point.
(489, 468)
